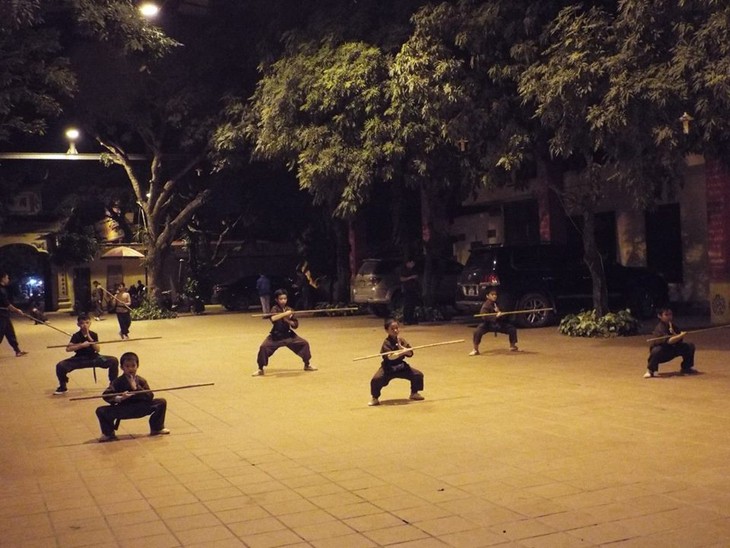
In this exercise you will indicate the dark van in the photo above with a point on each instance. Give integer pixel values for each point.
(548, 275)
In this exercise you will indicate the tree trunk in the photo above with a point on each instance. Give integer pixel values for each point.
(428, 280)
(155, 264)
(593, 259)
(342, 235)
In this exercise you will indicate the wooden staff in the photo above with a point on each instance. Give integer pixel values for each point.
(107, 342)
(112, 394)
(125, 305)
(407, 349)
(44, 323)
(312, 311)
(513, 312)
(683, 333)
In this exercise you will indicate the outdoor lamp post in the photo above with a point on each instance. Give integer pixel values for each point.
(72, 134)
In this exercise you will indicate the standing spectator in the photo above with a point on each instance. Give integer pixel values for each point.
(6, 325)
(134, 299)
(141, 290)
(263, 287)
(410, 288)
(97, 295)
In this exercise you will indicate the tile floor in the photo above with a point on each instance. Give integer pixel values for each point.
(563, 444)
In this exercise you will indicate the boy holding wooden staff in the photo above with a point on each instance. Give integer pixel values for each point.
(282, 334)
(395, 350)
(127, 404)
(84, 344)
(492, 323)
(668, 344)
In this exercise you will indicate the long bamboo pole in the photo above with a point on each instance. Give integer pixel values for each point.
(125, 305)
(112, 394)
(312, 311)
(407, 349)
(687, 333)
(108, 342)
(45, 323)
(513, 312)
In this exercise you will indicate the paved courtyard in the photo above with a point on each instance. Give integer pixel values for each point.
(563, 444)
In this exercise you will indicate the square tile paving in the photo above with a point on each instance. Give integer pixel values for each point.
(562, 444)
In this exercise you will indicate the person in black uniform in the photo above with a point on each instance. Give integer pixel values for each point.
(127, 404)
(394, 365)
(7, 331)
(493, 324)
(83, 342)
(97, 296)
(669, 346)
(410, 289)
(282, 334)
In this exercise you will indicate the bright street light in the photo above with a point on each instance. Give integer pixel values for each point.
(149, 9)
(72, 134)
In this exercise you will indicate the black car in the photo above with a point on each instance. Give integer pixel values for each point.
(548, 275)
(242, 294)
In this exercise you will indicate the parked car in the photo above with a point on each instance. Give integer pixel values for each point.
(544, 276)
(377, 283)
(242, 294)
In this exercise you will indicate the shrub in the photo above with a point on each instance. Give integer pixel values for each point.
(148, 310)
(588, 324)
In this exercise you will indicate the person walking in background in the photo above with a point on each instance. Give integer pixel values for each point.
(263, 287)
(123, 309)
(7, 331)
(493, 324)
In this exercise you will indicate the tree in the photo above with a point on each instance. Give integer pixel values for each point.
(610, 87)
(165, 108)
(317, 110)
(457, 122)
(34, 77)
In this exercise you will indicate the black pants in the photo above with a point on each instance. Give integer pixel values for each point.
(270, 345)
(109, 414)
(64, 367)
(665, 352)
(125, 321)
(7, 331)
(381, 379)
(495, 327)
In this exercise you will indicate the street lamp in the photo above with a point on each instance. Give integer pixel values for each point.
(72, 134)
(149, 9)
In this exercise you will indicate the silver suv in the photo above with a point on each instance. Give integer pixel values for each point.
(377, 283)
